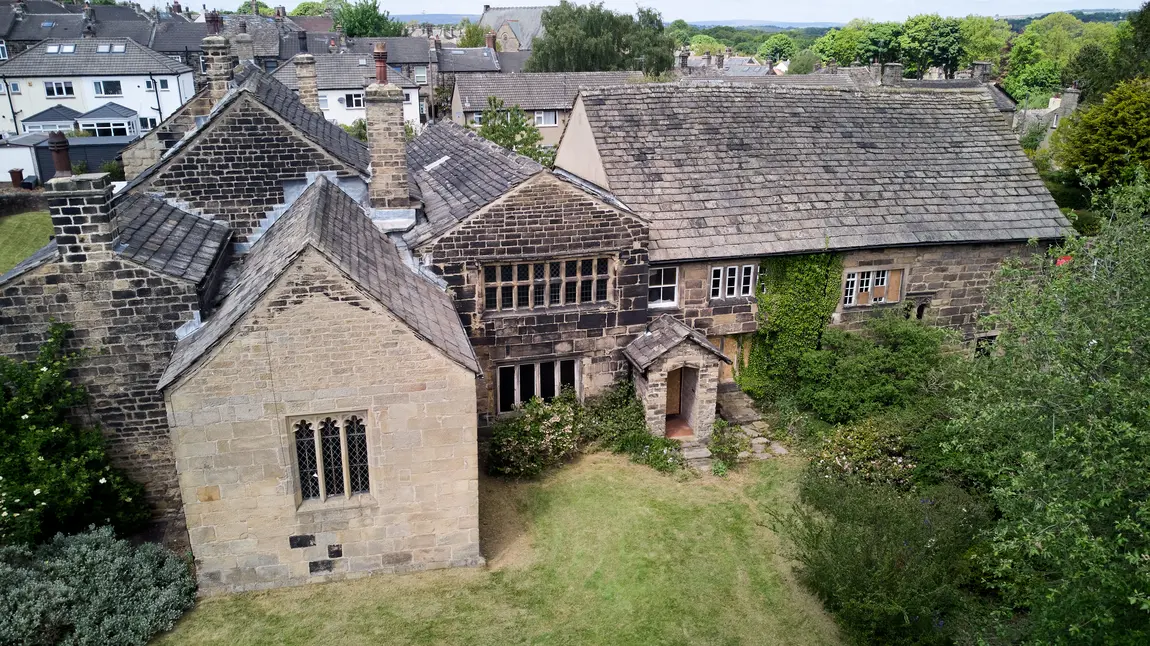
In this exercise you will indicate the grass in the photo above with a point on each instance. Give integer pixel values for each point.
(21, 235)
(600, 552)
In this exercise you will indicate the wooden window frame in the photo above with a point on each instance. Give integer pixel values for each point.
(857, 281)
(543, 278)
(732, 281)
(537, 378)
(663, 303)
(315, 421)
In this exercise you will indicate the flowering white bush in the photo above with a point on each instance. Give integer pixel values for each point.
(540, 435)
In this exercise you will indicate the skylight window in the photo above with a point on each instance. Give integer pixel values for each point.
(118, 48)
(47, 24)
(103, 49)
(52, 49)
(68, 49)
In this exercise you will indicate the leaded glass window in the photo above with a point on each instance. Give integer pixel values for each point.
(331, 456)
(305, 456)
(538, 285)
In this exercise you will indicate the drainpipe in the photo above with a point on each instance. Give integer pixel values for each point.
(156, 87)
(11, 108)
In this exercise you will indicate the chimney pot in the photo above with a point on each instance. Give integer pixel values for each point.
(707, 59)
(380, 56)
(490, 40)
(892, 74)
(486, 8)
(61, 160)
(255, 7)
(719, 60)
(684, 55)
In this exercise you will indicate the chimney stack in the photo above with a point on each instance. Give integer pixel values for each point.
(89, 13)
(719, 58)
(1069, 100)
(214, 23)
(176, 8)
(255, 7)
(19, 9)
(892, 74)
(980, 71)
(331, 46)
(217, 61)
(80, 206)
(438, 45)
(770, 65)
(385, 138)
(707, 59)
(684, 55)
(490, 37)
(245, 47)
(308, 87)
(833, 67)
(302, 35)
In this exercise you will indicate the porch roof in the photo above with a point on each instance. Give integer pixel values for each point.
(662, 335)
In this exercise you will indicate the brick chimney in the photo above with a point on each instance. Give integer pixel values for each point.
(214, 22)
(308, 87)
(81, 216)
(176, 8)
(892, 74)
(245, 48)
(770, 65)
(833, 67)
(684, 55)
(719, 60)
(490, 37)
(217, 62)
(302, 35)
(980, 71)
(385, 138)
(19, 9)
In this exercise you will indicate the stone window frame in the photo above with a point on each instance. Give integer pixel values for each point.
(547, 291)
(537, 379)
(662, 303)
(732, 281)
(347, 490)
(853, 284)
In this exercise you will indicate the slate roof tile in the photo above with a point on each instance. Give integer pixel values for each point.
(55, 113)
(340, 72)
(86, 61)
(171, 241)
(534, 91)
(839, 169)
(525, 22)
(661, 336)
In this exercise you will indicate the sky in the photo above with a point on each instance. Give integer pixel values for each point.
(804, 11)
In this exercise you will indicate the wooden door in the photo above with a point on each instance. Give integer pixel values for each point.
(674, 391)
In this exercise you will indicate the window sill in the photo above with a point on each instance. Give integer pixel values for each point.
(111, 96)
(337, 503)
(663, 306)
(731, 300)
(870, 306)
(605, 306)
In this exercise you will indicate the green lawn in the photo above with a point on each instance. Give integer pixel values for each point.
(601, 552)
(21, 235)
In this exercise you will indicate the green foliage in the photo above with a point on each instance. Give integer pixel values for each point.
(929, 39)
(841, 45)
(80, 167)
(1092, 71)
(726, 443)
(803, 63)
(1053, 425)
(704, 44)
(114, 169)
(894, 362)
(474, 35)
(779, 47)
(591, 38)
(1032, 138)
(308, 8)
(91, 589)
(796, 298)
(54, 475)
(512, 129)
(357, 129)
(983, 39)
(364, 18)
(1040, 79)
(890, 565)
(880, 42)
(616, 420)
(264, 9)
(1110, 138)
(539, 436)
(873, 450)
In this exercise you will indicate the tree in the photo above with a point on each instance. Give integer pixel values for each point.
(703, 44)
(1107, 139)
(1054, 425)
(840, 45)
(264, 9)
(1041, 78)
(983, 39)
(928, 40)
(308, 8)
(590, 38)
(510, 128)
(804, 62)
(474, 35)
(1092, 70)
(364, 18)
(879, 43)
(680, 31)
(779, 47)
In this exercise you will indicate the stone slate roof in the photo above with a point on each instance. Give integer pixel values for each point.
(317, 43)
(109, 110)
(265, 32)
(43, 256)
(512, 62)
(328, 220)
(138, 30)
(466, 59)
(55, 113)
(86, 61)
(41, 26)
(340, 72)
(161, 237)
(459, 172)
(663, 335)
(526, 22)
(839, 80)
(400, 49)
(536, 91)
(838, 170)
(178, 36)
(314, 23)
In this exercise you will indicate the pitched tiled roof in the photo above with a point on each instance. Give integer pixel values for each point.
(41, 26)
(138, 30)
(43, 256)
(340, 72)
(86, 61)
(330, 221)
(179, 36)
(159, 236)
(317, 43)
(839, 80)
(736, 171)
(466, 59)
(109, 111)
(265, 32)
(512, 62)
(458, 172)
(663, 335)
(55, 113)
(400, 50)
(314, 23)
(525, 22)
(537, 91)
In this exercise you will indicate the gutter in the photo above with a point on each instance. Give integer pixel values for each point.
(11, 107)
(156, 89)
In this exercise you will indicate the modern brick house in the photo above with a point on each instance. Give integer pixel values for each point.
(297, 336)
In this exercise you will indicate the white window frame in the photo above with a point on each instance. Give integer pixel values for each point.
(315, 421)
(407, 97)
(517, 382)
(323, 102)
(662, 286)
(147, 123)
(477, 118)
(95, 126)
(60, 89)
(420, 74)
(3, 51)
(351, 98)
(859, 281)
(541, 118)
(98, 86)
(203, 64)
(732, 281)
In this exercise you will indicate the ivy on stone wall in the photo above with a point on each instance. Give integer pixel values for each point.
(797, 295)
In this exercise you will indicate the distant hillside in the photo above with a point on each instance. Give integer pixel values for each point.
(435, 18)
(766, 24)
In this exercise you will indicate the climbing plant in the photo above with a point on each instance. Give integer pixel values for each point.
(797, 295)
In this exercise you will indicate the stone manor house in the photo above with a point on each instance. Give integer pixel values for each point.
(295, 337)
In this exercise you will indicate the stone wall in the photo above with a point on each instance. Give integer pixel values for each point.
(651, 388)
(547, 219)
(292, 355)
(236, 169)
(148, 149)
(124, 317)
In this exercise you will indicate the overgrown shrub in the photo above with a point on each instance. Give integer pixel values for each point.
(540, 436)
(872, 450)
(617, 421)
(91, 589)
(726, 443)
(893, 362)
(114, 169)
(889, 565)
(1033, 136)
(54, 475)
